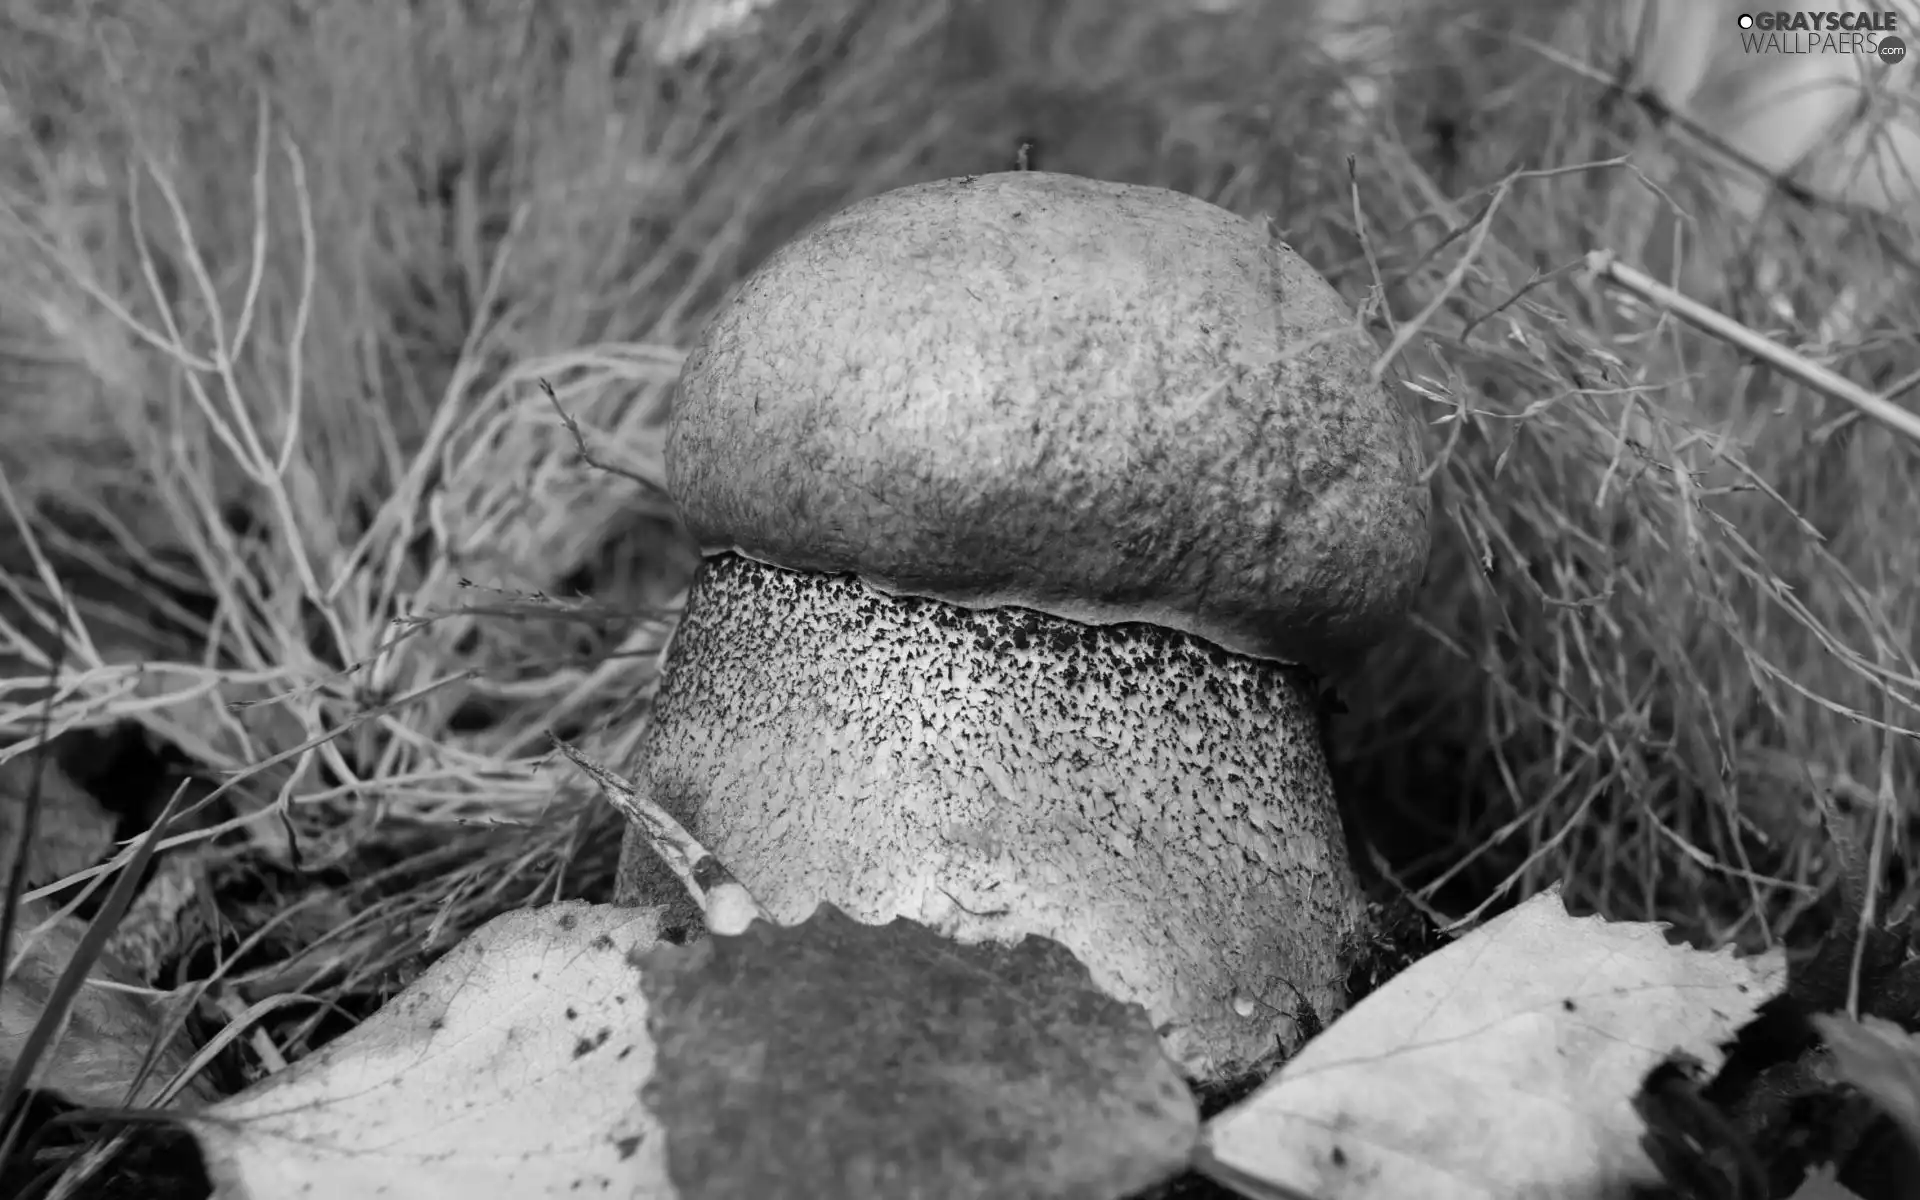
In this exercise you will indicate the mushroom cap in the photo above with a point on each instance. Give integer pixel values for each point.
(1103, 402)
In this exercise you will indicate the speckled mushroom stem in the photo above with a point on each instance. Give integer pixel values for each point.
(1156, 804)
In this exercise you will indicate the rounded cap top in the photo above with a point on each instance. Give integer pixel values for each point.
(1105, 402)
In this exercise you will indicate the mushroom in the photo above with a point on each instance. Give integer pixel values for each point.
(1031, 506)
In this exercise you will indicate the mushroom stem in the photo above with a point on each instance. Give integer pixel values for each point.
(1156, 804)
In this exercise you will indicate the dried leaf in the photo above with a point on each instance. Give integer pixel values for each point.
(832, 1058)
(1502, 1066)
(512, 1067)
(1821, 1185)
(108, 1029)
(74, 830)
(1882, 1060)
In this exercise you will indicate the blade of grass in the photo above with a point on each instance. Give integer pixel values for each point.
(41, 1037)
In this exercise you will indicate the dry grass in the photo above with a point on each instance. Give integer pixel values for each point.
(283, 278)
(1676, 581)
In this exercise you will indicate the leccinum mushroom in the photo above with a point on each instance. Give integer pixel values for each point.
(1030, 502)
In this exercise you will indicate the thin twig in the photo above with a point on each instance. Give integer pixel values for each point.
(1366, 244)
(587, 456)
(1716, 324)
(728, 906)
(1671, 118)
(1456, 277)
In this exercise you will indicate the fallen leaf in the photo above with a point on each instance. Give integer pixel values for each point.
(160, 924)
(73, 831)
(108, 1029)
(1795, 1117)
(1698, 1148)
(832, 1058)
(1821, 1185)
(1882, 1060)
(1504, 1065)
(510, 1068)
(1775, 1109)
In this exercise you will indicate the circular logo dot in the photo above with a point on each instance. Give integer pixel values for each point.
(1891, 50)
(1746, 21)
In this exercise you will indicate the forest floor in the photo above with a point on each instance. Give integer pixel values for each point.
(290, 515)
